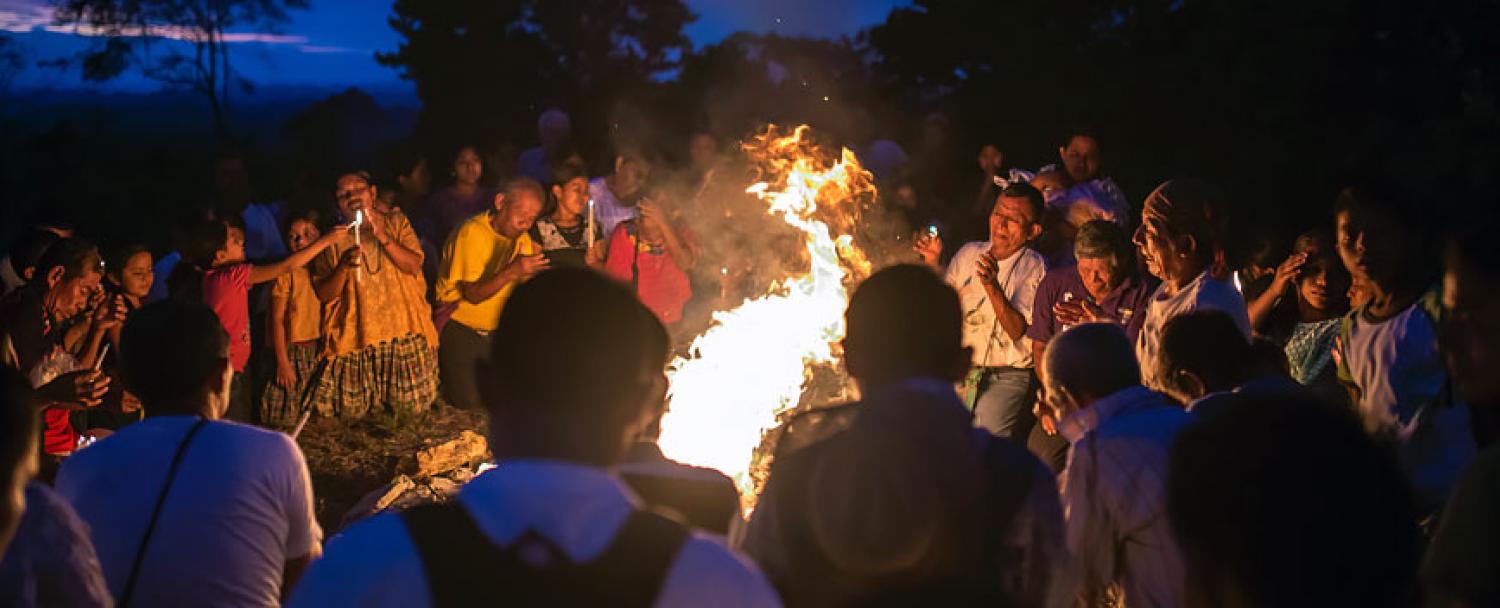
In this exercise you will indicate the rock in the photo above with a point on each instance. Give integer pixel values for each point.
(379, 500)
(464, 450)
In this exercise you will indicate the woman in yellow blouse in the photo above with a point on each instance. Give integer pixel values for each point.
(378, 338)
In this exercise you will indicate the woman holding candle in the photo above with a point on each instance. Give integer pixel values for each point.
(570, 236)
(378, 338)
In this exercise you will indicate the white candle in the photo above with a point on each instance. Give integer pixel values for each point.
(589, 235)
(359, 220)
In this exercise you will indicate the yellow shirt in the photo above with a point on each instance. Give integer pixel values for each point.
(476, 252)
(304, 313)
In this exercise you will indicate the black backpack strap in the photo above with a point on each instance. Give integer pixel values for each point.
(161, 500)
(632, 571)
(463, 568)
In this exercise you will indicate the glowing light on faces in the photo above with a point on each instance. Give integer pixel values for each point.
(753, 361)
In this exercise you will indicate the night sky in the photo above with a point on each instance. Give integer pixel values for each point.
(333, 43)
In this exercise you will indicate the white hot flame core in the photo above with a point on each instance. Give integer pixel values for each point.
(753, 361)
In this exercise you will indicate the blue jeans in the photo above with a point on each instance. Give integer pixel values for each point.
(1004, 404)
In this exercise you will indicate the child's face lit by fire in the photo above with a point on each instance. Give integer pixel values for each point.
(301, 234)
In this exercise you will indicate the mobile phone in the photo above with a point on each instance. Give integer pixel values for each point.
(932, 230)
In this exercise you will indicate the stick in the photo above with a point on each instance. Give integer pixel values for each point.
(301, 423)
(99, 359)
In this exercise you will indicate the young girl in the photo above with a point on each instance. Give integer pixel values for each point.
(1302, 308)
(216, 271)
(295, 322)
(563, 234)
(128, 277)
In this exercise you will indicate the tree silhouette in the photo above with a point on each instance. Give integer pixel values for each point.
(139, 33)
(490, 66)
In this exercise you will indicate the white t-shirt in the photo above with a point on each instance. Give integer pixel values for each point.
(240, 507)
(608, 211)
(1204, 293)
(1018, 275)
(1400, 374)
(375, 563)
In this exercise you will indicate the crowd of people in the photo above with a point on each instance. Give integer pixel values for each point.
(1086, 403)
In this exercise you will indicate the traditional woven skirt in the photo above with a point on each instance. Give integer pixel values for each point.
(281, 407)
(399, 376)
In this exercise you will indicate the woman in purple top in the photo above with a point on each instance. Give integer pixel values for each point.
(462, 199)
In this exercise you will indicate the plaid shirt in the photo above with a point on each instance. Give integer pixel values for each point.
(1114, 498)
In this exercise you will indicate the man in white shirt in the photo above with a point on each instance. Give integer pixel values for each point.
(551, 524)
(184, 509)
(1181, 235)
(996, 282)
(1114, 486)
(616, 195)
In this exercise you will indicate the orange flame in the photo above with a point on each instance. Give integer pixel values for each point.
(753, 361)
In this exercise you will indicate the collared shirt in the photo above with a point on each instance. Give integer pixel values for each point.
(1018, 276)
(475, 253)
(1114, 496)
(902, 493)
(1126, 303)
(578, 508)
(1204, 293)
(608, 210)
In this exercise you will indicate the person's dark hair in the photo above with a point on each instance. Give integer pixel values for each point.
(1031, 195)
(1287, 500)
(200, 243)
(658, 347)
(1207, 344)
(311, 216)
(1264, 251)
(1076, 132)
(1478, 249)
(903, 321)
(536, 390)
(1193, 208)
(76, 257)
(399, 161)
(168, 350)
(633, 154)
(1094, 359)
(1098, 239)
(27, 248)
(120, 256)
(567, 172)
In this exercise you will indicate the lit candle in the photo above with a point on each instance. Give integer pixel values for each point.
(359, 220)
(589, 235)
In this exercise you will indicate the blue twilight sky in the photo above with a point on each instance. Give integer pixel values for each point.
(333, 43)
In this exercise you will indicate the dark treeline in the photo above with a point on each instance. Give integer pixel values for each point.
(1279, 101)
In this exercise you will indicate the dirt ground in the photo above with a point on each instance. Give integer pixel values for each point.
(348, 459)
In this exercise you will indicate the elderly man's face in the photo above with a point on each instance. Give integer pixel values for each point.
(518, 212)
(1100, 276)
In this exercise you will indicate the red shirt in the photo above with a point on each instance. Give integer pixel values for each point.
(661, 285)
(226, 289)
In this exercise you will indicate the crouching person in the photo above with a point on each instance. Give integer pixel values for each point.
(549, 526)
(185, 509)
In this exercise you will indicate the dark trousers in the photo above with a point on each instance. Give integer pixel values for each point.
(460, 350)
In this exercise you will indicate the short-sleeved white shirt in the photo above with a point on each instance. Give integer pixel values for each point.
(1400, 374)
(1204, 293)
(240, 507)
(1019, 276)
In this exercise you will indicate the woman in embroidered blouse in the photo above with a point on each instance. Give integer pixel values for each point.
(1302, 308)
(378, 338)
